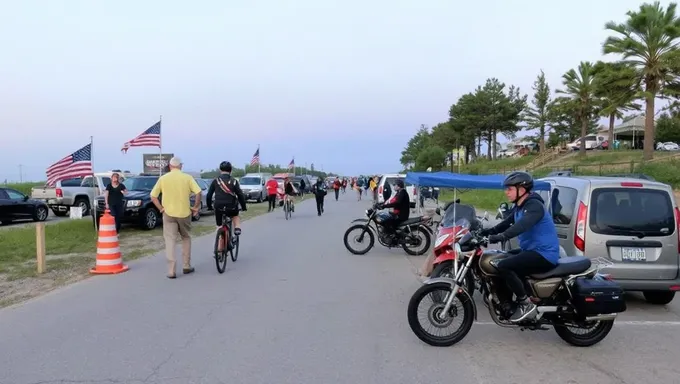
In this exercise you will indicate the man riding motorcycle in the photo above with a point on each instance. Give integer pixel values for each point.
(401, 205)
(539, 246)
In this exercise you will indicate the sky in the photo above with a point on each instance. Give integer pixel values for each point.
(340, 84)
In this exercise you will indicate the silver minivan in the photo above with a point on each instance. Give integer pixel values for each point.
(631, 222)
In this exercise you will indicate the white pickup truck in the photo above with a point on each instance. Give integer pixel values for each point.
(73, 193)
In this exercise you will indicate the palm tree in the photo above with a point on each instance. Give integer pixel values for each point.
(648, 41)
(616, 89)
(580, 88)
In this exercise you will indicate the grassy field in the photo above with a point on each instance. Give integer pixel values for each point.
(71, 251)
(483, 166)
(24, 188)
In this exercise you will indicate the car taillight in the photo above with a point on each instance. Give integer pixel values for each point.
(380, 190)
(677, 226)
(60, 193)
(415, 192)
(629, 184)
(580, 235)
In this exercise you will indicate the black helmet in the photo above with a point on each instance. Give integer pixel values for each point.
(225, 166)
(400, 183)
(519, 179)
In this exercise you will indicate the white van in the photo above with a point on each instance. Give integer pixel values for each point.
(391, 179)
(252, 185)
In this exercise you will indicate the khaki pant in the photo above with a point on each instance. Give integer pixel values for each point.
(173, 229)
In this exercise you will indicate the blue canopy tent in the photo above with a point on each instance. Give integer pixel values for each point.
(461, 181)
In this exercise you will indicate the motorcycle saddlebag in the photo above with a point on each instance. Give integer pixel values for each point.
(597, 296)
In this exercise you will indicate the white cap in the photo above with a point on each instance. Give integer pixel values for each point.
(175, 161)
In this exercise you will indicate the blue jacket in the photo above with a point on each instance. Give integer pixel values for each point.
(532, 224)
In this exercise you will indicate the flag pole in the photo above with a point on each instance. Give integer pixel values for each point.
(93, 203)
(160, 147)
(258, 158)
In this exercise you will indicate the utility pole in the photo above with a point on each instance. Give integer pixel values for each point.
(21, 173)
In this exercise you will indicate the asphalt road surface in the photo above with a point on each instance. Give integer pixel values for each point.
(51, 219)
(298, 308)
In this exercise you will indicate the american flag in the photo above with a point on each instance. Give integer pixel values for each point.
(149, 138)
(291, 165)
(77, 164)
(256, 157)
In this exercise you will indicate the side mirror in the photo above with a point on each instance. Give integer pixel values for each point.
(438, 211)
(26, 197)
(503, 206)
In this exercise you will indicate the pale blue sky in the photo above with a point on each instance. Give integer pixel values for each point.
(343, 84)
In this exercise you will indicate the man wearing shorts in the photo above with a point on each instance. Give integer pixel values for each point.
(228, 196)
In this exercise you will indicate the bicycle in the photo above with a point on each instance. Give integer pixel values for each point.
(230, 243)
(287, 209)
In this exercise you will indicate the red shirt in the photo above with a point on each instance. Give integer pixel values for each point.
(272, 185)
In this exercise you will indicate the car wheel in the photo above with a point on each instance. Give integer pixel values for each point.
(151, 218)
(659, 297)
(40, 214)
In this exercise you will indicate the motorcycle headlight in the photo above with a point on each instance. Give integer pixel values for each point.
(441, 239)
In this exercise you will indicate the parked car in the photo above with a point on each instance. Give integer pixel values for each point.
(252, 185)
(204, 194)
(667, 146)
(391, 179)
(632, 222)
(73, 193)
(14, 205)
(139, 210)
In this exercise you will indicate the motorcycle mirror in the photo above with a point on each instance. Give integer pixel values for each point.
(486, 215)
(503, 206)
(438, 211)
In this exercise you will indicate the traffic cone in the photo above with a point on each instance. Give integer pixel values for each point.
(109, 258)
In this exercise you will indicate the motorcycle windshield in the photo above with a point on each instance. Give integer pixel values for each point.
(462, 211)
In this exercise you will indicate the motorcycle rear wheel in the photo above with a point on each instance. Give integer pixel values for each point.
(433, 340)
(423, 247)
(597, 334)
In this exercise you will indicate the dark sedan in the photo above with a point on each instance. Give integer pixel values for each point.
(14, 205)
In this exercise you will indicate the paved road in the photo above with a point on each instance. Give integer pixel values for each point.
(51, 219)
(298, 308)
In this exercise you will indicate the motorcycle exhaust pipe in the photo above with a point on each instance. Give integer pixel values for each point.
(604, 317)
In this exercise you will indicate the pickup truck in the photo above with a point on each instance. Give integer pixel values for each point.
(73, 193)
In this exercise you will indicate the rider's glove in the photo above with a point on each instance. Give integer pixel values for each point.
(493, 239)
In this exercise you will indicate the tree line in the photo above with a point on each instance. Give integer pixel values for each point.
(647, 43)
(270, 168)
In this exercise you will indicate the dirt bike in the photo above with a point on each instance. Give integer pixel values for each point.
(574, 298)
(414, 233)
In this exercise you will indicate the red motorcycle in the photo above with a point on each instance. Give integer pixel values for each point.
(457, 221)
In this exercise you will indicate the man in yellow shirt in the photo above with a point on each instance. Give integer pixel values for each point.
(176, 188)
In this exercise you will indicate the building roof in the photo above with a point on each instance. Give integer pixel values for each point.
(630, 125)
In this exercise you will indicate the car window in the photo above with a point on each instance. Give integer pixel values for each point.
(3, 195)
(201, 184)
(562, 204)
(392, 180)
(14, 195)
(72, 182)
(631, 212)
(107, 181)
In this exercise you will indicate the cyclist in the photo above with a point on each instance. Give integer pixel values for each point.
(228, 196)
(289, 190)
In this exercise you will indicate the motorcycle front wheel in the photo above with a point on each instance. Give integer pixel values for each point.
(426, 306)
(359, 233)
(445, 269)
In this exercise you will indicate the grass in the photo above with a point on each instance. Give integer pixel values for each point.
(484, 199)
(24, 188)
(484, 166)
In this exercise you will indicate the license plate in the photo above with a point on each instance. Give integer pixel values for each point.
(633, 254)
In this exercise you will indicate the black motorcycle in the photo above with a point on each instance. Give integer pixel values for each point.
(413, 235)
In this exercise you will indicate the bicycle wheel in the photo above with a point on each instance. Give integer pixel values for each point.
(220, 256)
(234, 249)
(286, 209)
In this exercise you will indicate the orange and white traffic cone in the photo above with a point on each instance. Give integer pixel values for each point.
(109, 258)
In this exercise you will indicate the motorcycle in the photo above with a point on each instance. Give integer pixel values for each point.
(574, 298)
(449, 233)
(414, 233)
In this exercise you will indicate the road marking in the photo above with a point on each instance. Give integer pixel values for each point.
(636, 323)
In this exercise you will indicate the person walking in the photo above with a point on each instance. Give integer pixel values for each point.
(113, 198)
(176, 188)
(272, 187)
(336, 188)
(319, 193)
(373, 186)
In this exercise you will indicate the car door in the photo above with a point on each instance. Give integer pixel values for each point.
(6, 205)
(21, 209)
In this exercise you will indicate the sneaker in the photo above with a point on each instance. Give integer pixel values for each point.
(526, 310)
